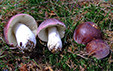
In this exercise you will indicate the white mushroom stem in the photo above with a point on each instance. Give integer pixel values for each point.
(54, 41)
(25, 38)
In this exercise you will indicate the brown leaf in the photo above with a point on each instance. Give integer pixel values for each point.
(23, 67)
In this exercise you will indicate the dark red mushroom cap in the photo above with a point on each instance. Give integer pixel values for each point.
(26, 19)
(42, 29)
(97, 48)
(86, 32)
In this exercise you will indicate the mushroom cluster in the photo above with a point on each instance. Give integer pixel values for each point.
(89, 34)
(21, 30)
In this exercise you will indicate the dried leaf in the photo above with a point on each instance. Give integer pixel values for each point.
(23, 67)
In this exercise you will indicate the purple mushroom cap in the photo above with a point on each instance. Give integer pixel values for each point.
(86, 32)
(98, 48)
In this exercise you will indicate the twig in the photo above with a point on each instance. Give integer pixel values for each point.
(82, 56)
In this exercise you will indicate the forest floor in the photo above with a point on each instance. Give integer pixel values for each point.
(72, 13)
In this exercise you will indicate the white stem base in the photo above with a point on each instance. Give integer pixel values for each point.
(54, 41)
(25, 38)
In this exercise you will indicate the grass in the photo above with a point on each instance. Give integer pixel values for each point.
(72, 14)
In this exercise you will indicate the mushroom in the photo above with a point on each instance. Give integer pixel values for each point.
(21, 31)
(86, 32)
(98, 48)
(51, 31)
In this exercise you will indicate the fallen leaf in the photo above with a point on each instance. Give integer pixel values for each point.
(23, 67)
